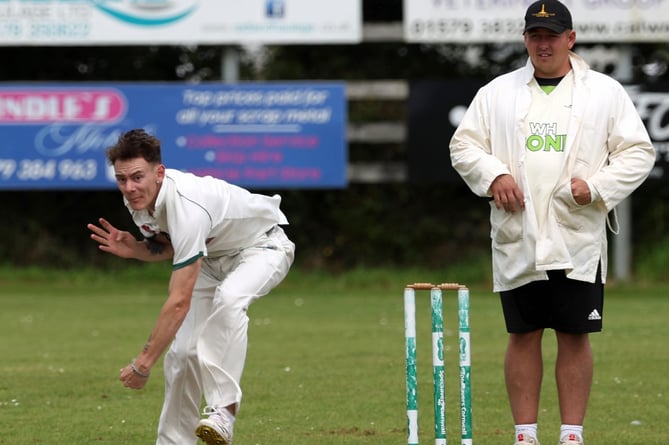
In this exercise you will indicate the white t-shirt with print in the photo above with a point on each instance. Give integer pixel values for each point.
(546, 129)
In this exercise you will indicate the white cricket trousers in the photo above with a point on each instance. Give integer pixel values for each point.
(208, 353)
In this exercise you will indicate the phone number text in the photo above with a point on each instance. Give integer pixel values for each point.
(51, 169)
(455, 27)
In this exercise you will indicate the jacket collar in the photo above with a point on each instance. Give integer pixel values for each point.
(578, 66)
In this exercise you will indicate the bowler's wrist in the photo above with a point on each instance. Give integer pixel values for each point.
(140, 370)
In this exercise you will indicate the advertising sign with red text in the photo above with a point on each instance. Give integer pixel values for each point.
(255, 135)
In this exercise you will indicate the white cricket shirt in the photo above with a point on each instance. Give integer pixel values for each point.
(205, 216)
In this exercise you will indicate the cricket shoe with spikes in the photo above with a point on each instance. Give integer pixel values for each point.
(216, 429)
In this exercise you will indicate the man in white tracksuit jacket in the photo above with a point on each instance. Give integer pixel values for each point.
(557, 146)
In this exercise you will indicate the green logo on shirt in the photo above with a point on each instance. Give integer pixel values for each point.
(543, 138)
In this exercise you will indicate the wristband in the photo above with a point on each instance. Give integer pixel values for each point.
(138, 372)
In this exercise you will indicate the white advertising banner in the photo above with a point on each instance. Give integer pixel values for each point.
(179, 22)
(464, 21)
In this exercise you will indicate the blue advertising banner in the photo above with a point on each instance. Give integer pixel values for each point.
(267, 135)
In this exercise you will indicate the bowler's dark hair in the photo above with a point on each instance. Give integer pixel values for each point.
(133, 144)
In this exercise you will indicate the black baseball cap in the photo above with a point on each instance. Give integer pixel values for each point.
(549, 14)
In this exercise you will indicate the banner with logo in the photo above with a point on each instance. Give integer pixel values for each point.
(282, 135)
(468, 21)
(435, 109)
(652, 103)
(178, 22)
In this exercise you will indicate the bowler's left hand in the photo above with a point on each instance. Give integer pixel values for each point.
(131, 379)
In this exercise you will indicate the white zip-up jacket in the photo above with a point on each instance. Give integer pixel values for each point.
(607, 145)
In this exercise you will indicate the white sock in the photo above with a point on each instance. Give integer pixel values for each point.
(576, 430)
(230, 415)
(523, 431)
(226, 413)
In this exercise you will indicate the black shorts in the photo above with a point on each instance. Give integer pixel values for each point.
(558, 303)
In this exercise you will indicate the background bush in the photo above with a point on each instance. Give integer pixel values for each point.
(381, 225)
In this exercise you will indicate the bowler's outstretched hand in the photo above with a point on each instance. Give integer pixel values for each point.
(112, 240)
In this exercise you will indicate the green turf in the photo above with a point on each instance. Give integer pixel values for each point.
(325, 363)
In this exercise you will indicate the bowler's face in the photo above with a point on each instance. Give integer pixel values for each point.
(549, 51)
(139, 181)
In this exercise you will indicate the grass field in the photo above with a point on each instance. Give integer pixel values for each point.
(325, 364)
